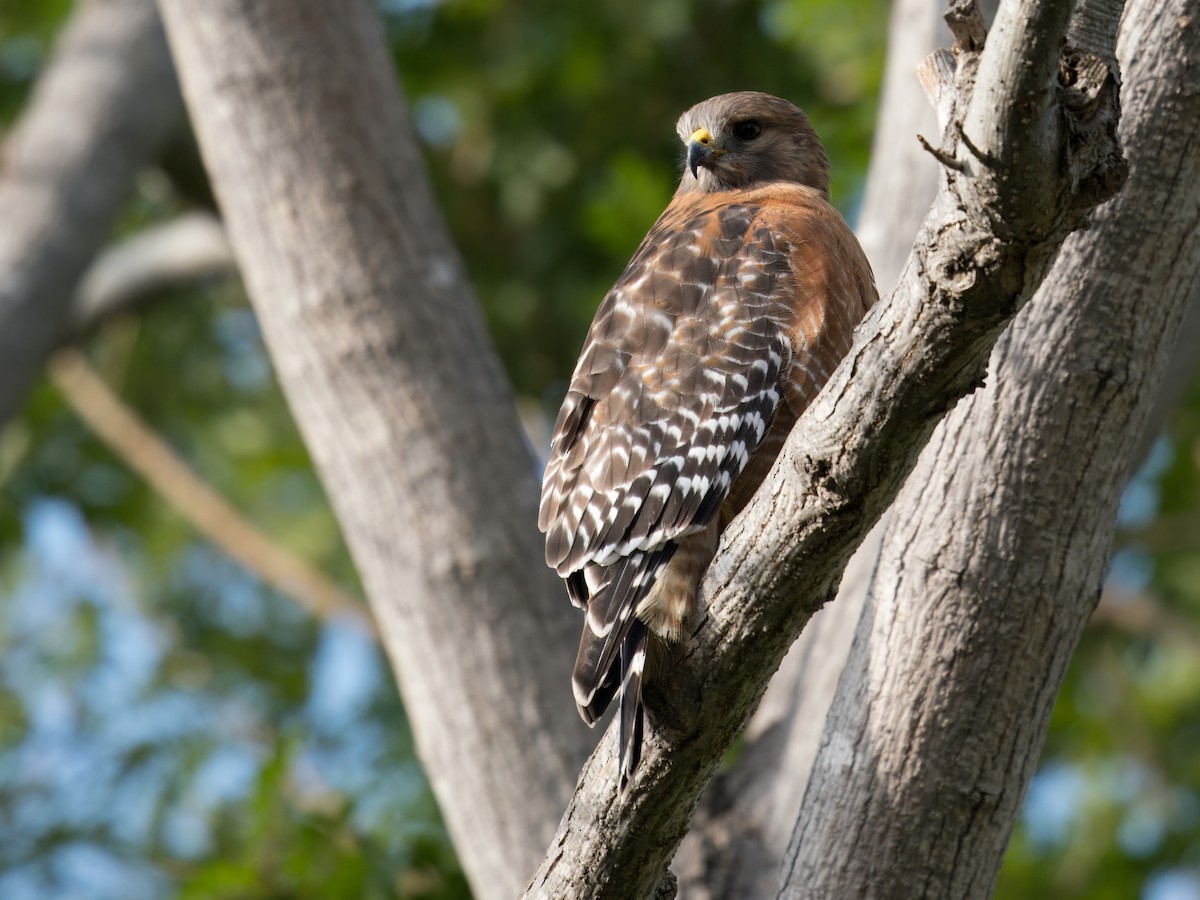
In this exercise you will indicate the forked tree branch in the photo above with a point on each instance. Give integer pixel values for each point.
(917, 354)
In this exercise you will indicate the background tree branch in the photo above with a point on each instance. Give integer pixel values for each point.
(187, 248)
(920, 351)
(101, 110)
(153, 459)
(393, 381)
(986, 581)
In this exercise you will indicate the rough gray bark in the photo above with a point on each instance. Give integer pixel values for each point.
(915, 356)
(998, 544)
(100, 111)
(742, 827)
(391, 377)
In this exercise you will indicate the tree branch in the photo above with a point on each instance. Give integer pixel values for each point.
(151, 458)
(393, 381)
(998, 544)
(189, 247)
(102, 108)
(915, 356)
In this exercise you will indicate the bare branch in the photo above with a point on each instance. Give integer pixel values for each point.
(946, 159)
(136, 444)
(915, 356)
(1013, 88)
(102, 108)
(936, 74)
(965, 19)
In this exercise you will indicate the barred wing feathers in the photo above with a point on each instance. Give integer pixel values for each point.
(681, 376)
(680, 368)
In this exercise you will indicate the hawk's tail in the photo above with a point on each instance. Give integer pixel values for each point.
(633, 662)
(625, 676)
(612, 649)
(615, 594)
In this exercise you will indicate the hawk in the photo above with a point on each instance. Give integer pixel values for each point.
(733, 312)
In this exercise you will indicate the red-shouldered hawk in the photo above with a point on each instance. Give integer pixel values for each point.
(734, 311)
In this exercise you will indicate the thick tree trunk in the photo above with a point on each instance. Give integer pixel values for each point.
(401, 399)
(100, 111)
(998, 544)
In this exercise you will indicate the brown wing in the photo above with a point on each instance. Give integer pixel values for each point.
(677, 383)
(681, 375)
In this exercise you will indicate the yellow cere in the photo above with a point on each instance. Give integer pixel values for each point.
(701, 136)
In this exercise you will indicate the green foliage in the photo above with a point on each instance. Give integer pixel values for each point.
(26, 31)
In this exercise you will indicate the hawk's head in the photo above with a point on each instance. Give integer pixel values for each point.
(744, 140)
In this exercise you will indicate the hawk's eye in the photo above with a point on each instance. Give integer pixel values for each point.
(747, 131)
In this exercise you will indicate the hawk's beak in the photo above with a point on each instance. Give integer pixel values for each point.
(700, 150)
